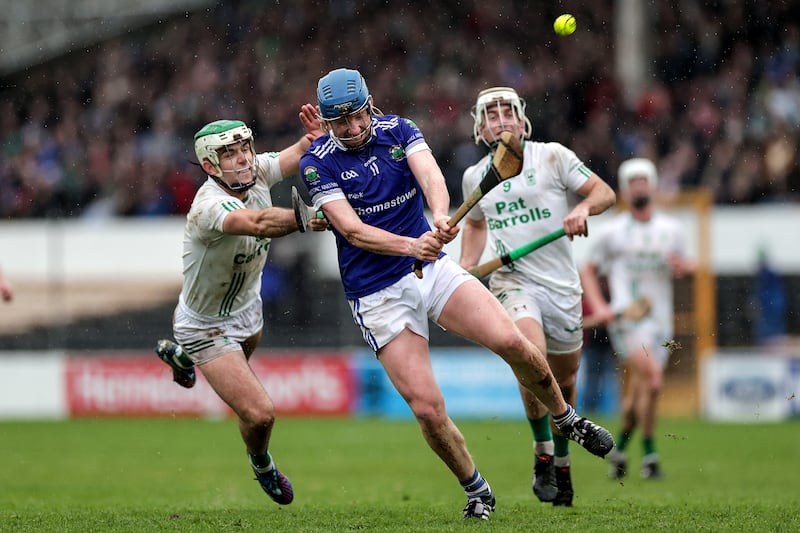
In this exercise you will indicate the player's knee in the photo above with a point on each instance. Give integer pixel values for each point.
(262, 415)
(566, 383)
(429, 413)
(653, 378)
(655, 384)
(514, 347)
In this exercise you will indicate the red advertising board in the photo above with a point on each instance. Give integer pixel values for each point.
(140, 385)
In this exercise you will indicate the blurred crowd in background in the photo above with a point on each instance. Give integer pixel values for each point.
(107, 131)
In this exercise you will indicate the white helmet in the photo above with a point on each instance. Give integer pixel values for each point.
(219, 134)
(638, 167)
(497, 96)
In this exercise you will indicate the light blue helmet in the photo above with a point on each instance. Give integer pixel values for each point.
(341, 92)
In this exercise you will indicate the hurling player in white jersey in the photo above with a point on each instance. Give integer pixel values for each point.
(639, 251)
(540, 291)
(369, 175)
(6, 290)
(219, 317)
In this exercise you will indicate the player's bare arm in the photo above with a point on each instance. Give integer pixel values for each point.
(473, 241)
(429, 176)
(594, 294)
(681, 266)
(597, 197)
(290, 156)
(289, 159)
(342, 216)
(270, 222)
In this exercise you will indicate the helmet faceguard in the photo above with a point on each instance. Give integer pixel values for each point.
(341, 93)
(494, 98)
(217, 136)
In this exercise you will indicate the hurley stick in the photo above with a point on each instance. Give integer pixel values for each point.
(493, 264)
(506, 163)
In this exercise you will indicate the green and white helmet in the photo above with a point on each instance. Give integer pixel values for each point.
(215, 136)
(495, 96)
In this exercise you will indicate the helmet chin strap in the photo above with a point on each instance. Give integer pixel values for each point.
(358, 136)
(366, 135)
(236, 186)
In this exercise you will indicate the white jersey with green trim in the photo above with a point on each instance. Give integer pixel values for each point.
(221, 272)
(531, 205)
(635, 257)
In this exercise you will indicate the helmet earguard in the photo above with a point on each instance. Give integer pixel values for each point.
(340, 93)
(638, 167)
(216, 136)
(496, 96)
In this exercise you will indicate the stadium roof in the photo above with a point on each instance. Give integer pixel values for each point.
(34, 32)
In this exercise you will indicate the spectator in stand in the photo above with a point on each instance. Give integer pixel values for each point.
(69, 125)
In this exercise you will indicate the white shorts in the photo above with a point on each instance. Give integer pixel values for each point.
(409, 303)
(560, 315)
(628, 337)
(206, 338)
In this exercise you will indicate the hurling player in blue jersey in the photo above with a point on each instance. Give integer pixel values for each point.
(368, 174)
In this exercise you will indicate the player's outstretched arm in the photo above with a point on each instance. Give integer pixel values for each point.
(270, 222)
(290, 156)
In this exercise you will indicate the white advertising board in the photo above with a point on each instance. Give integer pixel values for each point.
(749, 387)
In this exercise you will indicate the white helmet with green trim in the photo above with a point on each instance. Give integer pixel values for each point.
(214, 137)
(496, 96)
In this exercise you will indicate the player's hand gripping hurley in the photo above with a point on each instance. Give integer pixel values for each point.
(506, 163)
(636, 310)
(305, 215)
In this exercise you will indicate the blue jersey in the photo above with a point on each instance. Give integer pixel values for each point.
(382, 190)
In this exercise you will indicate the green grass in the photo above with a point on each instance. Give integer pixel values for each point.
(374, 475)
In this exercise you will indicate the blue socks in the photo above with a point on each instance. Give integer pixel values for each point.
(566, 418)
(476, 486)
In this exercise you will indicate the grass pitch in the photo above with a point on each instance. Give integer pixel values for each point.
(376, 475)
